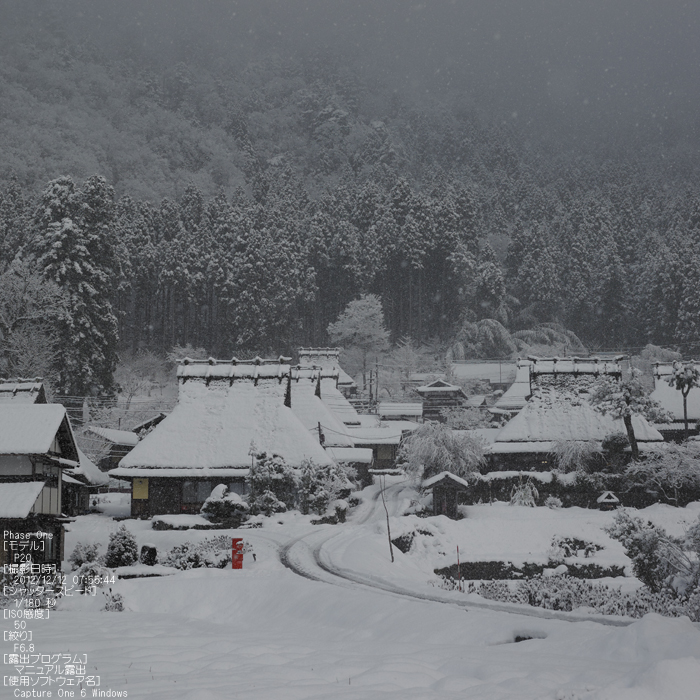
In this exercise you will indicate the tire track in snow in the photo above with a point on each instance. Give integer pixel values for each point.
(337, 575)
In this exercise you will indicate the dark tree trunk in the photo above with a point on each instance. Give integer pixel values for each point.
(632, 438)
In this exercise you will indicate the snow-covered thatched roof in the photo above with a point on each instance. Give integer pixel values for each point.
(22, 390)
(341, 407)
(88, 472)
(233, 369)
(519, 392)
(554, 414)
(217, 427)
(18, 498)
(576, 365)
(116, 437)
(326, 358)
(30, 429)
(312, 411)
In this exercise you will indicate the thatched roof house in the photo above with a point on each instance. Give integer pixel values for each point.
(227, 412)
(559, 410)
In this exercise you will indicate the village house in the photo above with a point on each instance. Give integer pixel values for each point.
(439, 396)
(37, 447)
(84, 479)
(559, 410)
(227, 413)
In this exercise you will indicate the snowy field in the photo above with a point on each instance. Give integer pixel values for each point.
(266, 632)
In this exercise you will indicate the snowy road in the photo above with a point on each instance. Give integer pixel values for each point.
(320, 555)
(377, 633)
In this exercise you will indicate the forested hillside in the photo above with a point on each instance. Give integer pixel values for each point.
(249, 195)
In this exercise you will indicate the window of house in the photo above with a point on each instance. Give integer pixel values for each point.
(196, 491)
(385, 452)
(238, 487)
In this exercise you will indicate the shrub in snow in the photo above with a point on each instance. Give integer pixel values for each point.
(149, 555)
(267, 503)
(576, 455)
(615, 443)
(567, 593)
(553, 502)
(122, 549)
(90, 575)
(658, 560)
(82, 554)
(319, 486)
(213, 553)
(225, 507)
(113, 601)
(671, 471)
(565, 547)
(271, 474)
(524, 494)
(435, 448)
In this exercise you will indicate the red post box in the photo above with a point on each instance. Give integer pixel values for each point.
(236, 553)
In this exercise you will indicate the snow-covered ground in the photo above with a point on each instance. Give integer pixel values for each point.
(266, 632)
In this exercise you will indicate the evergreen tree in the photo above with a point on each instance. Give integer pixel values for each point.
(72, 248)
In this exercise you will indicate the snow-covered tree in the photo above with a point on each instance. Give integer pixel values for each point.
(122, 549)
(685, 376)
(72, 247)
(319, 486)
(622, 399)
(361, 326)
(271, 475)
(30, 308)
(435, 448)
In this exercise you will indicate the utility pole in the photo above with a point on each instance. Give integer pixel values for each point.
(388, 527)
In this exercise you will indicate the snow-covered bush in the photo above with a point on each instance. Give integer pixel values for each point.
(615, 443)
(271, 475)
(82, 554)
(567, 593)
(435, 448)
(524, 494)
(553, 502)
(658, 560)
(226, 507)
(122, 549)
(319, 486)
(267, 504)
(90, 575)
(213, 553)
(669, 471)
(114, 602)
(576, 455)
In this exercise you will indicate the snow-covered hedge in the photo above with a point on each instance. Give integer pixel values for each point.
(567, 593)
(213, 553)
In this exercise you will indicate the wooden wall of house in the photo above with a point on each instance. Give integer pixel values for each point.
(433, 404)
(171, 496)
